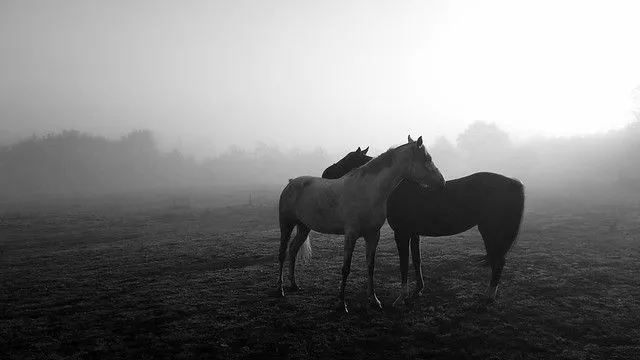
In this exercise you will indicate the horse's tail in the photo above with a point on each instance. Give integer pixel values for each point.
(516, 218)
(304, 254)
(513, 221)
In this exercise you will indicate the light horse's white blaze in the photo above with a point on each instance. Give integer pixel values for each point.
(353, 205)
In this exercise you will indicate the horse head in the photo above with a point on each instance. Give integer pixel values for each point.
(352, 160)
(422, 169)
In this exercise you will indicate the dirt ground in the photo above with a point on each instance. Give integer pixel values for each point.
(177, 279)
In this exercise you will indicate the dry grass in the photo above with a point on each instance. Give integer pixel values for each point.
(179, 281)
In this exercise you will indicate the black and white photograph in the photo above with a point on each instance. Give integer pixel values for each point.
(337, 179)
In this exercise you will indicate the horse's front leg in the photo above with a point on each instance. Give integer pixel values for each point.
(402, 243)
(349, 245)
(417, 260)
(372, 244)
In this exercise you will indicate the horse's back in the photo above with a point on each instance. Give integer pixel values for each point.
(415, 209)
(493, 199)
(313, 201)
(487, 181)
(462, 204)
(290, 194)
(482, 192)
(302, 181)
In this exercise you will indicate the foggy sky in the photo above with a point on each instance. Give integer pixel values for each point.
(208, 74)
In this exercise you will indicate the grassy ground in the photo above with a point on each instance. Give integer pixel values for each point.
(174, 279)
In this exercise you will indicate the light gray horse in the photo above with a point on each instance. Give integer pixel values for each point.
(353, 205)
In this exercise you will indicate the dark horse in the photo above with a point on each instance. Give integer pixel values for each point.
(493, 202)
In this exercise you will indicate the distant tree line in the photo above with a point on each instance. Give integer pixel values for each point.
(75, 163)
(599, 160)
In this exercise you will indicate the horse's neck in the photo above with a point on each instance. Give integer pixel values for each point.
(386, 181)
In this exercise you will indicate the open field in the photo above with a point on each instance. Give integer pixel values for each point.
(179, 278)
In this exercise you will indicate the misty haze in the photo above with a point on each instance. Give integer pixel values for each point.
(167, 167)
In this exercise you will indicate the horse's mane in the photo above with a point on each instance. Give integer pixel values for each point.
(378, 163)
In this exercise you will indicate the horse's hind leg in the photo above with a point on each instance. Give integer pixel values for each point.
(349, 245)
(301, 235)
(496, 273)
(495, 257)
(417, 264)
(286, 228)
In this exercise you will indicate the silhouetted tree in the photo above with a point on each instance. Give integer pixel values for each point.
(76, 163)
(447, 158)
(484, 145)
(72, 162)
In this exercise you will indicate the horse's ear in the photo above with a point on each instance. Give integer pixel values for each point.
(409, 139)
(420, 141)
(364, 152)
(358, 150)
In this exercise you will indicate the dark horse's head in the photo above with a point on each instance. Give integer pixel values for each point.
(351, 161)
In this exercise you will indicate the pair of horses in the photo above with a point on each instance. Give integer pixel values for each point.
(356, 195)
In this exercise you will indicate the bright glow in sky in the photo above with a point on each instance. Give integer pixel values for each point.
(336, 74)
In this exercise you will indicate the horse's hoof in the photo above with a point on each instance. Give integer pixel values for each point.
(294, 288)
(399, 303)
(276, 293)
(375, 303)
(487, 300)
(341, 307)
